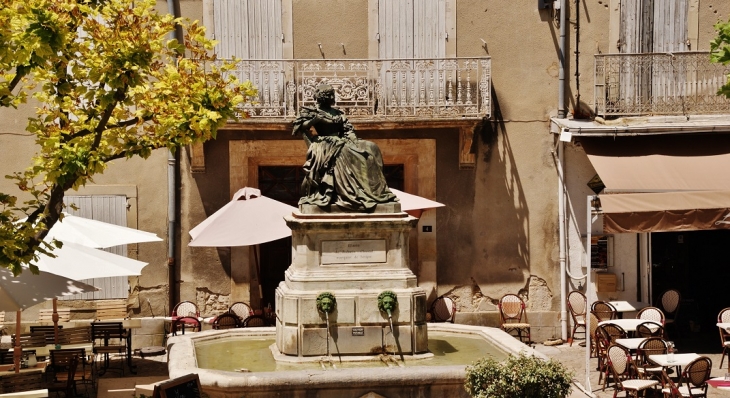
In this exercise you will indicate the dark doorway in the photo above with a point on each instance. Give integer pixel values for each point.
(282, 183)
(696, 264)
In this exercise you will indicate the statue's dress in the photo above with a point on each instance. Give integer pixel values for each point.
(340, 169)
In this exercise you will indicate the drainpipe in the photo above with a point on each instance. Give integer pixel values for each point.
(562, 243)
(173, 7)
(561, 182)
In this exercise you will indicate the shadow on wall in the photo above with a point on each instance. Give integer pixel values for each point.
(502, 250)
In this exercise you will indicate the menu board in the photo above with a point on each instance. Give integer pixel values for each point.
(600, 253)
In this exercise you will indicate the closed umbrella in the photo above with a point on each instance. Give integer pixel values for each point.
(25, 290)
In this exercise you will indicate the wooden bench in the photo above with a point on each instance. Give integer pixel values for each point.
(64, 315)
(111, 309)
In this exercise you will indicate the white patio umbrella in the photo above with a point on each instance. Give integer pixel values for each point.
(414, 204)
(77, 262)
(25, 290)
(93, 233)
(248, 219)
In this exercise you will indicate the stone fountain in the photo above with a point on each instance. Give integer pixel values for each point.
(355, 257)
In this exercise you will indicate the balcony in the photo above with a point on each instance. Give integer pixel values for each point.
(372, 90)
(659, 84)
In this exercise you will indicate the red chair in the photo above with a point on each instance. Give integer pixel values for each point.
(185, 313)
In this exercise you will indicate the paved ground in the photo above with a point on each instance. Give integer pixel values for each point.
(152, 369)
(574, 358)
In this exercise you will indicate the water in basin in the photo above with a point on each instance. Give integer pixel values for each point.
(253, 353)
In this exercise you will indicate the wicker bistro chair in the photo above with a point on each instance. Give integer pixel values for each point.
(241, 310)
(514, 317)
(185, 322)
(578, 307)
(604, 311)
(443, 309)
(226, 321)
(670, 304)
(651, 314)
(724, 317)
(650, 346)
(605, 336)
(692, 382)
(622, 368)
(185, 315)
(593, 330)
(255, 321)
(649, 329)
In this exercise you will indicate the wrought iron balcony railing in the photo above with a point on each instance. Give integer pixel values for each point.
(378, 89)
(659, 84)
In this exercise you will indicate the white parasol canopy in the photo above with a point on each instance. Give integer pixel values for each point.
(75, 261)
(414, 204)
(25, 290)
(93, 233)
(248, 219)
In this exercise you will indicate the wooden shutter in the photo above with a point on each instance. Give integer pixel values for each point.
(654, 26)
(412, 29)
(111, 209)
(248, 29)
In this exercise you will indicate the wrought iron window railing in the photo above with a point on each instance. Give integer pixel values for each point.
(386, 89)
(659, 84)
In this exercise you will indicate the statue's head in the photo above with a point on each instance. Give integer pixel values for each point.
(325, 95)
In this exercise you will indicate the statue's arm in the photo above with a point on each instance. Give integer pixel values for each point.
(304, 122)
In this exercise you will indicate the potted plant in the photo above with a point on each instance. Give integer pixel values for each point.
(520, 376)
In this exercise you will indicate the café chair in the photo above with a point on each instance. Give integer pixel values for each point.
(226, 321)
(578, 306)
(25, 381)
(724, 317)
(593, 329)
(514, 317)
(651, 314)
(61, 361)
(604, 310)
(670, 300)
(622, 368)
(692, 382)
(241, 310)
(68, 386)
(646, 368)
(109, 338)
(649, 329)
(186, 322)
(254, 321)
(605, 336)
(443, 309)
(185, 308)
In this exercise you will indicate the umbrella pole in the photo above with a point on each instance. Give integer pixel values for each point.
(55, 320)
(17, 351)
(258, 274)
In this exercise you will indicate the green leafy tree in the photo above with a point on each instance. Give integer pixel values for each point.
(519, 376)
(108, 83)
(720, 52)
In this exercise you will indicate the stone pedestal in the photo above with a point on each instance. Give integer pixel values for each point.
(355, 257)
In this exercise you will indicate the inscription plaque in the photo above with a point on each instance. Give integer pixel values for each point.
(353, 251)
(358, 331)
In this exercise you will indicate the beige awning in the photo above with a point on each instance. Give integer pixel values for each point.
(687, 162)
(663, 182)
(666, 211)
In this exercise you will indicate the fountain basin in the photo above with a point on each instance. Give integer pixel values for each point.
(391, 382)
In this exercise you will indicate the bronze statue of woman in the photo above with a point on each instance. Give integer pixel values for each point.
(340, 169)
